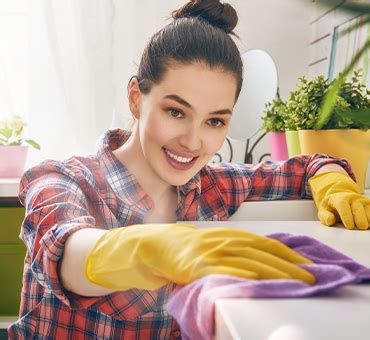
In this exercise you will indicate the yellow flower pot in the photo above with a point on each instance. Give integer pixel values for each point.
(350, 144)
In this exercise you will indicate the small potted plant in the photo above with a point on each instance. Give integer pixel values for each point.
(302, 108)
(344, 133)
(13, 151)
(273, 124)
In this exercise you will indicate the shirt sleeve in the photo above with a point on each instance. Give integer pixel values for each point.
(270, 180)
(56, 207)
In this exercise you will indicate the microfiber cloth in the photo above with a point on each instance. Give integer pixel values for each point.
(193, 305)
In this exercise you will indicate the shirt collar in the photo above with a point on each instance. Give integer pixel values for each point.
(122, 182)
(193, 184)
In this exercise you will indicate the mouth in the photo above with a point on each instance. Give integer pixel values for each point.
(179, 162)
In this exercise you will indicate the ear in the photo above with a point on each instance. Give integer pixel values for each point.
(134, 96)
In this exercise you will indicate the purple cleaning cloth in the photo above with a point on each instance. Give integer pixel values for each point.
(193, 305)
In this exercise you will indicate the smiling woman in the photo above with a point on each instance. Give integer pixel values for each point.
(193, 105)
(96, 264)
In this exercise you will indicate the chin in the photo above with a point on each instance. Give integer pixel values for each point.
(179, 182)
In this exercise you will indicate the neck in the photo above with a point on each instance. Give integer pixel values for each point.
(131, 156)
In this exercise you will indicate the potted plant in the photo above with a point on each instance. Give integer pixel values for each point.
(273, 124)
(301, 109)
(344, 133)
(13, 151)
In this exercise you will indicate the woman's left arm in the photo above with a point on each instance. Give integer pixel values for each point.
(285, 180)
(331, 167)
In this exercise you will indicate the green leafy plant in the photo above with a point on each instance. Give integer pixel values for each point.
(303, 104)
(337, 84)
(349, 109)
(11, 132)
(273, 119)
(355, 112)
(356, 8)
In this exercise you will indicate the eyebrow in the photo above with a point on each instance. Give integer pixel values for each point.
(182, 101)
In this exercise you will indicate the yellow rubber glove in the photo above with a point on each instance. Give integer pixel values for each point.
(151, 255)
(336, 195)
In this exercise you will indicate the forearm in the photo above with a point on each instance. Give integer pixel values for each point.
(331, 167)
(72, 266)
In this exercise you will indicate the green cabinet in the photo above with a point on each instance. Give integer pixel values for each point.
(12, 254)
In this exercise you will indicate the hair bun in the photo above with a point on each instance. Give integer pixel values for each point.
(217, 14)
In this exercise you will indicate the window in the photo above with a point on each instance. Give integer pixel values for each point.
(13, 57)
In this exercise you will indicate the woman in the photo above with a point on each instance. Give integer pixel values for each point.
(86, 276)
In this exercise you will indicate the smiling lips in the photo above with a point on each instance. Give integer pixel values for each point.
(179, 162)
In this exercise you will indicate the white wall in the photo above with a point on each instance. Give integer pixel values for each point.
(129, 39)
(13, 88)
(282, 29)
(279, 27)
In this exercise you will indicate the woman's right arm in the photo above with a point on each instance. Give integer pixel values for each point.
(72, 265)
(59, 229)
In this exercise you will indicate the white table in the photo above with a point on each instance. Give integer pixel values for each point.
(344, 314)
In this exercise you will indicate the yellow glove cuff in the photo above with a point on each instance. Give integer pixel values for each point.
(331, 182)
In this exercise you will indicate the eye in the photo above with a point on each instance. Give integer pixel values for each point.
(215, 122)
(174, 113)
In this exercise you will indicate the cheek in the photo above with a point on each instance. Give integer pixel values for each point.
(214, 141)
(152, 128)
(162, 129)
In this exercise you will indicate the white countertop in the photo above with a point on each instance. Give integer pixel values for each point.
(287, 210)
(6, 321)
(343, 314)
(9, 187)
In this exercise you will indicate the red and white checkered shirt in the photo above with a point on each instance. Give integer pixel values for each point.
(98, 191)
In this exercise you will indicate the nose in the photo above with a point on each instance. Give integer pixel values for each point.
(191, 138)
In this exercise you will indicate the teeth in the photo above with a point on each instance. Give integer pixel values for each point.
(178, 158)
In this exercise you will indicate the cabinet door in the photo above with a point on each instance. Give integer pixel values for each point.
(12, 253)
(10, 225)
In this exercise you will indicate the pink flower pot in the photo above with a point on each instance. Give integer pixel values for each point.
(278, 147)
(12, 160)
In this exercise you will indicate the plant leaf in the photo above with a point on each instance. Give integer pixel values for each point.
(6, 132)
(33, 143)
(330, 97)
(359, 116)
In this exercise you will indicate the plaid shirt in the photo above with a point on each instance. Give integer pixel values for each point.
(98, 191)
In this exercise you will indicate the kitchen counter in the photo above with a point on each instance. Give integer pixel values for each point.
(9, 187)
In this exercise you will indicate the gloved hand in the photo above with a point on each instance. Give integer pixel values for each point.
(151, 255)
(337, 195)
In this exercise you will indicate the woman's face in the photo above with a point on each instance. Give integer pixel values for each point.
(183, 120)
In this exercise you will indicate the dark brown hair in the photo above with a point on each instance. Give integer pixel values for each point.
(200, 32)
